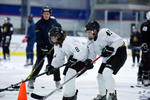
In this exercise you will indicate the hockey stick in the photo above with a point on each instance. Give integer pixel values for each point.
(28, 78)
(39, 64)
(15, 86)
(36, 96)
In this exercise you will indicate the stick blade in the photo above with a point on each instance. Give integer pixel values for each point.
(1, 90)
(36, 96)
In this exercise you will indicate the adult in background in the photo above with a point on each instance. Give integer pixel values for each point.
(0, 37)
(30, 39)
(44, 47)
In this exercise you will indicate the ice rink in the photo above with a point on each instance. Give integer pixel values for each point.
(14, 71)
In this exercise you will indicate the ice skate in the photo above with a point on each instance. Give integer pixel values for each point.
(31, 84)
(8, 57)
(71, 98)
(28, 63)
(146, 82)
(133, 64)
(145, 95)
(112, 96)
(58, 85)
(146, 78)
(139, 81)
(100, 97)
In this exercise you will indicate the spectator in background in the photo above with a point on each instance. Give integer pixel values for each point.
(30, 39)
(7, 30)
(135, 44)
(0, 37)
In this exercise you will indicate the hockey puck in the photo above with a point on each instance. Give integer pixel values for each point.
(132, 86)
(42, 87)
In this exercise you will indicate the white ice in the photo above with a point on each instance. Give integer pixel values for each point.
(13, 71)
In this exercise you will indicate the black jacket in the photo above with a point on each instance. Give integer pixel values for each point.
(135, 40)
(0, 34)
(145, 32)
(7, 29)
(42, 29)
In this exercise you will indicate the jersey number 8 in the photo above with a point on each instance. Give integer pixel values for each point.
(77, 49)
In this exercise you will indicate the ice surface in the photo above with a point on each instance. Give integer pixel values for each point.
(14, 71)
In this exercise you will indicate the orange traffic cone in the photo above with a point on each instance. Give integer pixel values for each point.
(22, 92)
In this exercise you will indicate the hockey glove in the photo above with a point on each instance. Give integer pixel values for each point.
(88, 64)
(25, 39)
(50, 70)
(107, 51)
(145, 47)
(71, 61)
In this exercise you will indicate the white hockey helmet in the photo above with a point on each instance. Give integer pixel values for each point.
(148, 15)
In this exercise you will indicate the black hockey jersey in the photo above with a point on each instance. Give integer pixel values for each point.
(7, 29)
(135, 40)
(145, 32)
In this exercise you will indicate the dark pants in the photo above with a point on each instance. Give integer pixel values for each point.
(6, 51)
(116, 61)
(77, 66)
(135, 54)
(40, 61)
(145, 64)
(5, 46)
(29, 51)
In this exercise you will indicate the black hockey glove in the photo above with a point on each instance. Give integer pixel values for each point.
(50, 70)
(88, 64)
(145, 47)
(71, 61)
(107, 51)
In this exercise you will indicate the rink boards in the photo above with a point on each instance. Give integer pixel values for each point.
(19, 48)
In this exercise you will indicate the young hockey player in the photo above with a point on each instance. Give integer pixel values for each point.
(144, 68)
(1, 34)
(135, 43)
(7, 30)
(75, 52)
(112, 48)
(43, 44)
